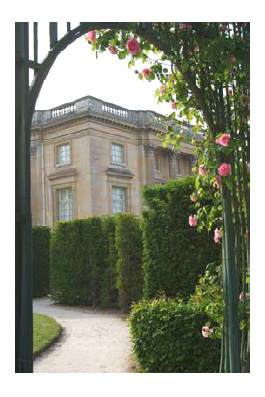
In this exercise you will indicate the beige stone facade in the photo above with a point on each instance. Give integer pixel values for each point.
(90, 157)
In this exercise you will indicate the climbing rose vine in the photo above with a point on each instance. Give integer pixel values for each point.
(203, 73)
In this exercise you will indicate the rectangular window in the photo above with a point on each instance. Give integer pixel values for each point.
(117, 153)
(63, 154)
(156, 162)
(118, 199)
(65, 204)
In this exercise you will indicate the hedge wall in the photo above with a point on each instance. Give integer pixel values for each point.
(97, 261)
(167, 338)
(78, 252)
(129, 265)
(40, 260)
(175, 254)
(108, 282)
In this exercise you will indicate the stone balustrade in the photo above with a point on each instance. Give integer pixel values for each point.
(97, 107)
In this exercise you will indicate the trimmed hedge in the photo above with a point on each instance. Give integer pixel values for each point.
(167, 338)
(108, 282)
(78, 252)
(129, 265)
(175, 254)
(40, 260)
(97, 261)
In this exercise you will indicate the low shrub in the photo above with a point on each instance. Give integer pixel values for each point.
(167, 338)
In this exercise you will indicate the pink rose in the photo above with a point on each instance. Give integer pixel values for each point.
(205, 332)
(217, 235)
(203, 170)
(224, 169)
(162, 89)
(217, 182)
(241, 296)
(146, 72)
(196, 48)
(133, 46)
(173, 105)
(193, 220)
(113, 50)
(91, 35)
(224, 140)
(194, 199)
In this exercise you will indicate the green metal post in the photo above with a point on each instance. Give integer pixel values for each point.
(23, 263)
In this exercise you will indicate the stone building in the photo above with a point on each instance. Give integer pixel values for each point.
(90, 157)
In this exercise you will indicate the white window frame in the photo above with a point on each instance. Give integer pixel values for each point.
(62, 162)
(118, 202)
(116, 156)
(65, 206)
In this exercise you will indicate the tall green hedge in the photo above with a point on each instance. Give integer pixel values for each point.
(78, 252)
(108, 282)
(167, 338)
(97, 261)
(40, 260)
(129, 264)
(175, 253)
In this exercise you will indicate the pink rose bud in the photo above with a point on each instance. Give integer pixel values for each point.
(162, 89)
(136, 72)
(203, 170)
(224, 169)
(133, 46)
(205, 332)
(194, 199)
(113, 50)
(173, 105)
(186, 26)
(193, 220)
(241, 296)
(196, 48)
(224, 140)
(146, 72)
(217, 182)
(91, 35)
(217, 235)
(231, 58)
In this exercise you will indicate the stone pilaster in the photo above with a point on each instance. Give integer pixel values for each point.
(150, 164)
(173, 169)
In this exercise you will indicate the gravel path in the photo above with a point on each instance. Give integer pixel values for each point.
(93, 340)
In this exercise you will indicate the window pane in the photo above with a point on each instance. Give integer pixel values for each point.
(117, 153)
(118, 199)
(63, 154)
(65, 204)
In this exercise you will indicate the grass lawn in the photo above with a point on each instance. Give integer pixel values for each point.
(45, 330)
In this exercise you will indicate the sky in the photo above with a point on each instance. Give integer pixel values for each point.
(77, 73)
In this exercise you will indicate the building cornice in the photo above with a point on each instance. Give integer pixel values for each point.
(91, 108)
